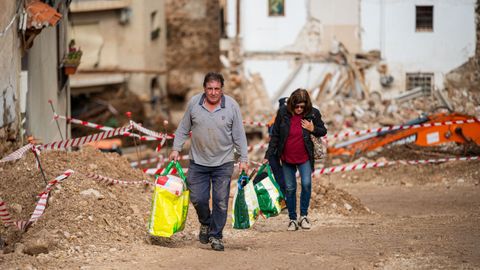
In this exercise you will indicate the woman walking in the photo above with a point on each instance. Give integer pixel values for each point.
(291, 141)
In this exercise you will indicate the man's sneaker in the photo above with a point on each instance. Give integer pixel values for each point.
(292, 226)
(304, 223)
(203, 234)
(217, 244)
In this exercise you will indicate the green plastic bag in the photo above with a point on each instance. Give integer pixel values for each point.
(169, 211)
(245, 204)
(268, 192)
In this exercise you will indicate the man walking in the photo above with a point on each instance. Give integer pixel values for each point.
(217, 129)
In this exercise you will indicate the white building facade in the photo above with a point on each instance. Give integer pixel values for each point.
(419, 37)
(419, 40)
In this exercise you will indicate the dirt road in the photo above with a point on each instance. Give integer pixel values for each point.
(421, 217)
(418, 227)
(413, 228)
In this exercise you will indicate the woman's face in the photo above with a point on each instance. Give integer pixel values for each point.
(299, 108)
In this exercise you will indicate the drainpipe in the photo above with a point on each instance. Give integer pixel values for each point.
(382, 28)
(238, 19)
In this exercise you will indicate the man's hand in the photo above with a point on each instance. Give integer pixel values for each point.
(243, 166)
(174, 155)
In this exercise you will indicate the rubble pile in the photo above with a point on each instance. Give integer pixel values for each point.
(331, 200)
(351, 106)
(251, 96)
(80, 211)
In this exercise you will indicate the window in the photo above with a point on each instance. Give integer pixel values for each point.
(424, 19)
(423, 80)
(276, 8)
(154, 26)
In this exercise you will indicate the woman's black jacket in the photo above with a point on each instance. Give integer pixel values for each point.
(281, 129)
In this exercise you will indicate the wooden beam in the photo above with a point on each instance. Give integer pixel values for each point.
(123, 70)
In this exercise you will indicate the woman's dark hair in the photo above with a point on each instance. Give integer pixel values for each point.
(299, 96)
(213, 76)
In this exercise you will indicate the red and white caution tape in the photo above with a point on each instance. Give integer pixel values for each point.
(363, 166)
(108, 180)
(76, 142)
(18, 154)
(369, 165)
(153, 171)
(4, 214)
(260, 146)
(149, 132)
(153, 135)
(36, 152)
(57, 180)
(82, 123)
(390, 128)
(39, 207)
(144, 138)
(160, 159)
(42, 201)
(252, 123)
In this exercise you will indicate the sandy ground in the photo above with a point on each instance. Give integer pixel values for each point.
(421, 217)
(413, 228)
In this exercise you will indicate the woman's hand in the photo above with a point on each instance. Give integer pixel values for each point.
(308, 125)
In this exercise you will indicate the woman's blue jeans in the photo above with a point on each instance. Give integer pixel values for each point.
(289, 171)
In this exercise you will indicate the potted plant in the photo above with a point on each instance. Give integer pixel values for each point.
(72, 60)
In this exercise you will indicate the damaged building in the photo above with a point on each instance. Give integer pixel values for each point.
(123, 63)
(407, 37)
(360, 59)
(33, 45)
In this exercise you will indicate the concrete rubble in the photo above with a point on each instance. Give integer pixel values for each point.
(347, 104)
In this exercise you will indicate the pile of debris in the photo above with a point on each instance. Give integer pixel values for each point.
(80, 211)
(330, 200)
(348, 104)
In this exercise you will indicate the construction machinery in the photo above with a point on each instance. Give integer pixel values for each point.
(429, 130)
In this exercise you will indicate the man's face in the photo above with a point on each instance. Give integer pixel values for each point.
(213, 92)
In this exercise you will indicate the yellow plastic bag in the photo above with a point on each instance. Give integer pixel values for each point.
(169, 211)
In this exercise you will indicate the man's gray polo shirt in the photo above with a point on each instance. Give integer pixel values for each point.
(215, 134)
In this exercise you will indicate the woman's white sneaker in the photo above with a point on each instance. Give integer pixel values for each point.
(304, 223)
(292, 226)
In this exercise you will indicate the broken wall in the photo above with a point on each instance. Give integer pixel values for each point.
(9, 77)
(192, 43)
(340, 21)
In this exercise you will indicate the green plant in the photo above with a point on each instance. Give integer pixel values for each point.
(74, 54)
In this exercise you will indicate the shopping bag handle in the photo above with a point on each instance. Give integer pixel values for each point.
(243, 177)
(179, 170)
(263, 167)
(168, 168)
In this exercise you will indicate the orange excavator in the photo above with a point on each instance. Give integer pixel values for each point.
(431, 130)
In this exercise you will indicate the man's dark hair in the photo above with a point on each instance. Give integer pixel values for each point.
(213, 76)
